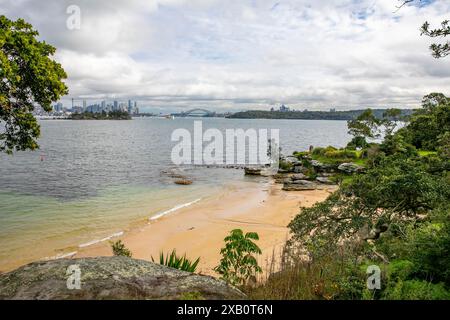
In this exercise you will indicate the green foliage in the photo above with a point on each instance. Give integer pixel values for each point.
(357, 142)
(285, 165)
(334, 274)
(177, 262)
(119, 249)
(29, 76)
(439, 50)
(339, 154)
(429, 124)
(416, 290)
(238, 263)
(366, 125)
(309, 115)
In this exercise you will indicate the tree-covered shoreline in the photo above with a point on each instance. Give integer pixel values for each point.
(312, 115)
(393, 216)
(113, 115)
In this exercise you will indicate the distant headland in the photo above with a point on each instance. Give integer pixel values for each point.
(332, 114)
(112, 115)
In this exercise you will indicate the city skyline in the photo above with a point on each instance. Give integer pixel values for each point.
(247, 55)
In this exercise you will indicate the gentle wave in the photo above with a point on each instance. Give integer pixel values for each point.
(159, 215)
(62, 256)
(90, 243)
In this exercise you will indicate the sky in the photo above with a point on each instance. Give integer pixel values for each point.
(249, 54)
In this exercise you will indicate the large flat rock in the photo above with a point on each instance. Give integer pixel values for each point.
(110, 278)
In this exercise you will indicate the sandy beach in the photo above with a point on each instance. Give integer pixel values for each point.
(198, 230)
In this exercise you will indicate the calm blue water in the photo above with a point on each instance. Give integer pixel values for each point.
(93, 178)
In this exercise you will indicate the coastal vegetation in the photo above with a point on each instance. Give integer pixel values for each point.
(311, 115)
(238, 265)
(30, 77)
(119, 249)
(112, 115)
(172, 260)
(395, 214)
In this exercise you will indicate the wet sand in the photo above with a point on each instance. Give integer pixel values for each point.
(199, 230)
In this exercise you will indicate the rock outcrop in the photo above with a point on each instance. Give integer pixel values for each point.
(350, 167)
(252, 171)
(110, 278)
(298, 185)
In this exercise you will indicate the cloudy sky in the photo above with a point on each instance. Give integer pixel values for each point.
(244, 54)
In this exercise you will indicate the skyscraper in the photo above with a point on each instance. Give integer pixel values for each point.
(130, 106)
(116, 105)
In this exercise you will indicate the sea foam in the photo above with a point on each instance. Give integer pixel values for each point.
(90, 243)
(178, 207)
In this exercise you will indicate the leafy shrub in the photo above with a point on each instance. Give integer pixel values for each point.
(301, 154)
(238, 263)
(416, 290)
(323, 274)
(284, 165)
(119, 249)
(341, 154)
(173, 261)
(319, 151)
(400, 270)
(357, 142)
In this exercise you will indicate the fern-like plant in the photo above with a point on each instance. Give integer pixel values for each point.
(177, 262)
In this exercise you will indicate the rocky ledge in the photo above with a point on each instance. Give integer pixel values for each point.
(109, 278)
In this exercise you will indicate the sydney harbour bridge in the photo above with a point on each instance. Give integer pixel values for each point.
(198, 112)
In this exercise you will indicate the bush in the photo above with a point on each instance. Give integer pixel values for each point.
(173, 261)
(285, 165)
(238, 263)
(341, 154)
(314, 275)
(416, 290)
(319, 151)
(357, 142)
(119, 249)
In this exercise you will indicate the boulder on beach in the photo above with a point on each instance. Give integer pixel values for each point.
(252, 171)
(298, 185)
(183, 181)
(109, 278)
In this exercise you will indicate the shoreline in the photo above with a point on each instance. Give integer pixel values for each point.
(198, 230)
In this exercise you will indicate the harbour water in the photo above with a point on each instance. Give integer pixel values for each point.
(92, 181)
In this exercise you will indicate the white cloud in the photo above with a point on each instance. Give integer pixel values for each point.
(244, 54)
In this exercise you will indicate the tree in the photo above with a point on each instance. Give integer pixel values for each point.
(238, 263)
(366, 125)
(427, 125)
(439, 50)
(29, 77)
(389, 121)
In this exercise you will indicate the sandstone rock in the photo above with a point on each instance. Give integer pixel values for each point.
(350, 167)
(252, 171)
(299, 185)
(324, 180)
(299, 169)
(110, 278)
(299, 176)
